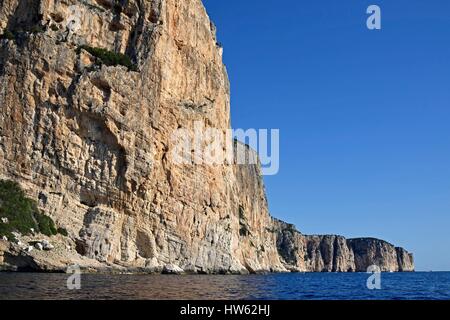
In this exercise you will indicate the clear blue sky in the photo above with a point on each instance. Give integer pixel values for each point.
(364, 116)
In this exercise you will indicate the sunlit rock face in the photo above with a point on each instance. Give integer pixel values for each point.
(92, 143)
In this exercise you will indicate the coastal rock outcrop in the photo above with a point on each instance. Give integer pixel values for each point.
(332, 253)
(91, 94)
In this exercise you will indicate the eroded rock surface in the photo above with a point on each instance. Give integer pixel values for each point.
(92, 143)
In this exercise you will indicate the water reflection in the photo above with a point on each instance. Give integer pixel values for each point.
(203, 287)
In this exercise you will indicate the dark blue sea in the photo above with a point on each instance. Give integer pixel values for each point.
(308, 286)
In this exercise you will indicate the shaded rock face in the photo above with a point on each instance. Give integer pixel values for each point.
(92, 142)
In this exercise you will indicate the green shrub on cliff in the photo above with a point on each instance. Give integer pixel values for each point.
(21, 213)
(7, 35)
(45, 224)
(63, 232)
(37, 29)
(110, 58)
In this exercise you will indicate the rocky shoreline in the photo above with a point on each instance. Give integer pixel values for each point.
(298, 253)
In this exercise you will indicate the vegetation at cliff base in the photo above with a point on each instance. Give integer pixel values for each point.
(21, 214)
(110, 58)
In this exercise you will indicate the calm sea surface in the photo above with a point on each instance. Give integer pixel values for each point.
(314, 286)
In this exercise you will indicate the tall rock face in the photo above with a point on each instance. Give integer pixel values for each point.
(92, 142)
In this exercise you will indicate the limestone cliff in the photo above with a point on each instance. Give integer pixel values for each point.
(331, 253)
(91, 92)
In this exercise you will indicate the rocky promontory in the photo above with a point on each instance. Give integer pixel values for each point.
(91, 93)
(332, 253)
